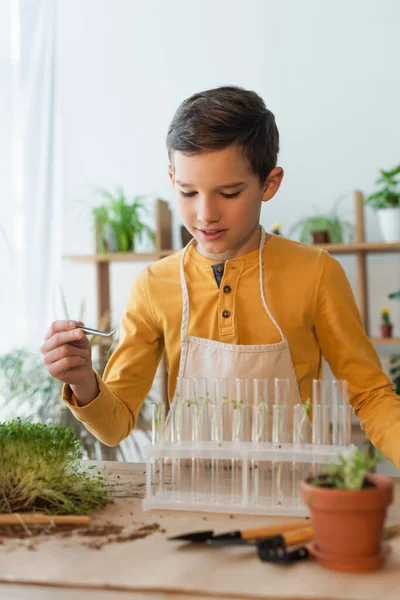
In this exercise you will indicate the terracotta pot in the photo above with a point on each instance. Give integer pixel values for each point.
(320, 237)
(348, 524)
(386, 330)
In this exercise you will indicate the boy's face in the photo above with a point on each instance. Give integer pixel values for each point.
(219, 200)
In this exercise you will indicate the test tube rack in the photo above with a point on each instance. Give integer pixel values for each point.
(246, 455)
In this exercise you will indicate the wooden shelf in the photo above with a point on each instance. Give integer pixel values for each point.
(374, 247)
(392, 341)
(119, 257)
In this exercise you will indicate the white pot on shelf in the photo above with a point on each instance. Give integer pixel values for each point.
(389, 223)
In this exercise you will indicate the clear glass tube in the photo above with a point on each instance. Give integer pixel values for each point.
(241, 426)
(300, 424)
(325, 420)
(279, 424)
(321, 424)
(219, 407)
(260, 423)
(260, 391)
(320, 391)
(237, 423)
(335, 411)
(344, 424)
(340, 397)
(175, 417)
(220, 391)
(282, 390)
(199, 410)
(316, 424)
(242, 390)
(158, 422)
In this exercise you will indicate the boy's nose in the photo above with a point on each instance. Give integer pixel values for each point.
(207, 211)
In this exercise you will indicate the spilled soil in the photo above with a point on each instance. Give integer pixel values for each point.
(94, 536)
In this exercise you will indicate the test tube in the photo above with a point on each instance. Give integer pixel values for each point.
(242, 407)
(184, 398)
(282, 389)
(336, 401)
(300, 425)
(157, 437)
(199, 412)
(260, 411)
(219, 409)
(158, 422)
(199, 481)
(280, 411)
(344, 415)
(321, 417)
(219, 415)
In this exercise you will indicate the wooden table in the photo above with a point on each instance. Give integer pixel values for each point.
(65, 568)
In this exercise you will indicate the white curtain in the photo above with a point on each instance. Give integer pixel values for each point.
(34, 205)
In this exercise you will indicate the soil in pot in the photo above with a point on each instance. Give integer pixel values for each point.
(348, 524)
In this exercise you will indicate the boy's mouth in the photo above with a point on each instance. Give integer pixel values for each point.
(211, 234)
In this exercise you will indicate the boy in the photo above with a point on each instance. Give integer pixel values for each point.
(237, 302)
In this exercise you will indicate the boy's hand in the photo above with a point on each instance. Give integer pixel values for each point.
(67, 356)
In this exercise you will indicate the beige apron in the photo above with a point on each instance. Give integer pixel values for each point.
(211, 359)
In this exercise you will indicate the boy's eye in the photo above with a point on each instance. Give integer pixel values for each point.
(234, 195)
(191, 194)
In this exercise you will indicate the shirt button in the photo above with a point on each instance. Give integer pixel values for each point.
(227, 289)
(220, 269)
(226, 314)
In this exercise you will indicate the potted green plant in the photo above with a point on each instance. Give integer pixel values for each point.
(386, 324)
(386, 203)
(119, 224)
(348, 506)
(323, 228)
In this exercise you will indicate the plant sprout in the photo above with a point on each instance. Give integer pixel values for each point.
(40, 470)
(350, 472)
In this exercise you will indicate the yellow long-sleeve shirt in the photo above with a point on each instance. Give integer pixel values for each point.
(308, 294)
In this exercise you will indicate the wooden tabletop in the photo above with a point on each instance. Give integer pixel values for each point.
(67, 568)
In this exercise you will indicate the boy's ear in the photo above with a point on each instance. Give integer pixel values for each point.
(272, 183)
(171, 174)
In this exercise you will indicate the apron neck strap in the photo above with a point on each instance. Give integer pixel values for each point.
(185, 294)
(261, 264)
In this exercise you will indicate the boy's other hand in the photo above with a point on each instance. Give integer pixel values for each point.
(67, 354)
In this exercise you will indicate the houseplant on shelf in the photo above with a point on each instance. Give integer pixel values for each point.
(386, 324)
(323, 228)
(386, 203)
(348, 507)
(119, 223)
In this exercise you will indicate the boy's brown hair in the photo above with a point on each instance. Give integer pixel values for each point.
(224, 116)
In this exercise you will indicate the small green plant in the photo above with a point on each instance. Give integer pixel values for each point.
(276, 228)
(40, 470)
(395, 372)
(385, 316)
(350, 472)
(305, 418)
(119, 222)
(388, 196)
(339, 229)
